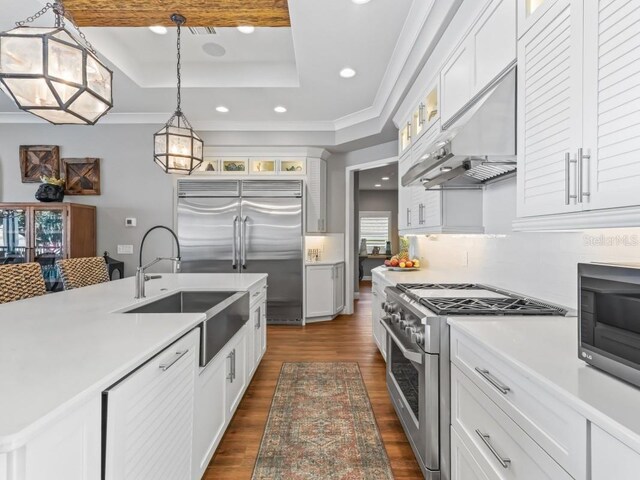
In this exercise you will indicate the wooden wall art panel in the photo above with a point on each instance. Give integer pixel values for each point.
(199, 13)
(39, 160)
(81, 175)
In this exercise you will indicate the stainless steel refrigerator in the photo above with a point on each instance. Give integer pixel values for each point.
(246, 226)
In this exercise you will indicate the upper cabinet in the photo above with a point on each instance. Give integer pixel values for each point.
(316, 195)
(578, 81)
(488, 49)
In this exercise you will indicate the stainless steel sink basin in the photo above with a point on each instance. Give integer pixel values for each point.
(184, 302)
(220, 324)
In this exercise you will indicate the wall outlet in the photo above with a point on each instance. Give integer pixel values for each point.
(125, 249)
(130, 222)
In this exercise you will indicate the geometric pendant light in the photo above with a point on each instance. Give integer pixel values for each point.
(48, 73)
(177, 147)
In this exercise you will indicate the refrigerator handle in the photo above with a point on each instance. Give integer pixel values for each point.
(243, 244)
(234, 253)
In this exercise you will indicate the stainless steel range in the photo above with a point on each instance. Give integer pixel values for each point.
(418, 371)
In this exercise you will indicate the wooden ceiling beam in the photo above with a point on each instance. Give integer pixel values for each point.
(199, 13)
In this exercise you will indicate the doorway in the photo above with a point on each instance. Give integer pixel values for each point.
(371, 220)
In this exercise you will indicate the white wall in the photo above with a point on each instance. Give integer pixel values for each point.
(131, 184)
(542, 265)
(336, 178)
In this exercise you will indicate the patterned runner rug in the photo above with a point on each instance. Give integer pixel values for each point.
(321, 427)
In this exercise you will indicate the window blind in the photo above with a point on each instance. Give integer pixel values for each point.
(375, 229)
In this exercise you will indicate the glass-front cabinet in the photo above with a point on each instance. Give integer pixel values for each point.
(425, 114)
(405, 138)
(46, 232)
(13, 235)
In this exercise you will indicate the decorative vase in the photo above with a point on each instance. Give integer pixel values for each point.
(50, 193)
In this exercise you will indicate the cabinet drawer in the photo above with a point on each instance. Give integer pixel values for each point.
(463, 465)
(501, 448)
(257, 292)
(612, 459)
(558, 429)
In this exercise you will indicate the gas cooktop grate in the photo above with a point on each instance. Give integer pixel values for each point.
(407, 287)
(489, 306)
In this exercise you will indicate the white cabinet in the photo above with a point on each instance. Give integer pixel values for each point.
(325, 286)
(612, 459)
(257, 330)
(549, 106)
(578, 85)
(236, 370)
(210, 417)
(611, 112)
(67, 450)
(463, 465)
(316, 195)
(406, 213)
(377, 312)
(149, 424)
(488, 49)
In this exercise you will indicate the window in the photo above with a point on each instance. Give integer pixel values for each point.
(375, 227)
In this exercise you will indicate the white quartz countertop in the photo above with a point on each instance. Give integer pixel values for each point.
(424, 275)
(323, 262)
(59, 349)
(545, 349)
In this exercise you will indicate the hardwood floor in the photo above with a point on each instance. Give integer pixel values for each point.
(347, 338)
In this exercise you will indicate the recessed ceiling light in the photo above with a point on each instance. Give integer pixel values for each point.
(213, 49)
(159, 29)
(222, 109)
(247, 29)
(360, 2)
(385, 178)
(347, 72)
(280, 109)
(377, 185)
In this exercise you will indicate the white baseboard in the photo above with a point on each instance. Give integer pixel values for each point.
(367, 278)
(356, 295)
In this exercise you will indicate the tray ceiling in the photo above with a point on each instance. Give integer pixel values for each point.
(201, 13)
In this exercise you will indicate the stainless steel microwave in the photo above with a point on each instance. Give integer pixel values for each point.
(609, 318)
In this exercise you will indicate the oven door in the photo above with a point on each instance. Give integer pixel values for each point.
(609, 319)
(412, 381)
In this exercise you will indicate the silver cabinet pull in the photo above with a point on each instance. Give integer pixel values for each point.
(567, 179)
(230, 376)
(258, 320)
(409, 131)
(408, 217)
(256, 294)
(166, 366)
(233, 363)
(502, 388)
(234, 248)
(505, 462)
(580, 169)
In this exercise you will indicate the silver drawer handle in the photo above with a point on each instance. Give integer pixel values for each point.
(505, 462)
(166, 366)
(256, 294)
(493, 380)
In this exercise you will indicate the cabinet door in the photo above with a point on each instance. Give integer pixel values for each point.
(316, 195)
(252, 353)
(49, 241)
(263, 331)
(236, 371)
(612, 459)
(550, 110)
(456, 81)
(338, 288)
(210, 412)
(611, 109)
(319, 297)
(150, 417)
(13, 235)
(258, 336)
(405, 198)
(494, 42)
(67, 450)
(377, 312)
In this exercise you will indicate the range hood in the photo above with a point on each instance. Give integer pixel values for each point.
(477, 146)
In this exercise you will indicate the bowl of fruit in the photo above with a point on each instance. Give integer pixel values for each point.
(402, 262)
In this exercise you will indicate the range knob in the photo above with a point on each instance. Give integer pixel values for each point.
(417, 337)
(396, 318)
(390, 307)
(404, 324)
(410, 330)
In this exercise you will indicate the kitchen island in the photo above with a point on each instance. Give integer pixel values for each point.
(60, 352)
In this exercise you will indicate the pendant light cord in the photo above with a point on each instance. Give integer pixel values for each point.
(179, 21)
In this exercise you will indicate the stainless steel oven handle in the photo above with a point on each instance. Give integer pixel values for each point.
(502, 388)
(505, 462)
(243, 245)
(409, 354)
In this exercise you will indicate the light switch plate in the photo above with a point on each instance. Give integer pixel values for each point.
(130, 222)
(125, 249)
